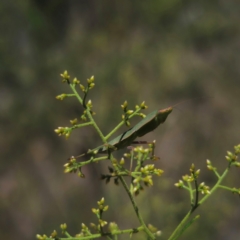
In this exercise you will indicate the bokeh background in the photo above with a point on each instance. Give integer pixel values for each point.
(160, 51)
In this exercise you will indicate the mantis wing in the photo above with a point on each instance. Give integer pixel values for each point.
(146, 125)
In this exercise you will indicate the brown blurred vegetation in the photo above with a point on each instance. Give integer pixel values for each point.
(160, 51)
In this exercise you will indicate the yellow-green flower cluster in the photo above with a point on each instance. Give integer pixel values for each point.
(84, 231)
(90, 85)
(61, 96)
(236, 191)
(63, 227)
(233, 157)
(41, 237)
(150, 169)
(65, 76)
(72, 167)
(127, 112)
(210, 166)
(63, 131)
(194, 174)
(99, 211)
(204, 189)
(154, 230)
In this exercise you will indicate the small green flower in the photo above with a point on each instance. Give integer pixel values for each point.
(127, 123)
(93, 225)
(237, 164)
(152, 228)
(197, 172)
(84, 226)
(38, 236)
(75, 81)
(158, 172)
(54, 234)
(91, 86)
(237, 149)
(80, 174)
(180, 184)
(208, 162)
(61, 97)
(188, 178)
(137, 180)
(143, 105)
(102, 223)
(122, 161)
(82, 88)
(67, 135)
(94, 210)
(101, 202)
(192, 168)
(142, 115)
(129, 112)
(124, 105)
(210, 167)
(105, 208)
(137, 107)
(204, 189)
(148, 180)
(65, 76)
(74, 121)
(113, 227)
(236, 191)
(90, 80)
(63, 226)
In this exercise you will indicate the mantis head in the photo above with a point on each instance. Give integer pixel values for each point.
(163, 114)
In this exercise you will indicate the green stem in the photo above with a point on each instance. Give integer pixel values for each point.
(226, 188)
(76, 93)
(220, 179)
(196, 204)
(179, 227)
(81, 125)
(70, 95)
(96, 126)
(190, 191)
(67, 234)
(89, 114)
(147, 231)
(217, 185)
(98, 235)
(81, 164)
(120, 124)
(217, 174)
(187, 225)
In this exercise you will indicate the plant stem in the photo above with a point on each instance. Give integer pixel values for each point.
(98, 235)
(173, 236)
(148, 232)
(76, 93)
(224, 187)
(217, 185)
(89, 114)
(120, 124)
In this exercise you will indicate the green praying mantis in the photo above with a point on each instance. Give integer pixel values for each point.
(146, 125)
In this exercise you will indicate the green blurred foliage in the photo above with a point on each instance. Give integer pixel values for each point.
(163, 52)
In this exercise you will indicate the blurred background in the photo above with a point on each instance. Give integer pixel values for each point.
(160, 51)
